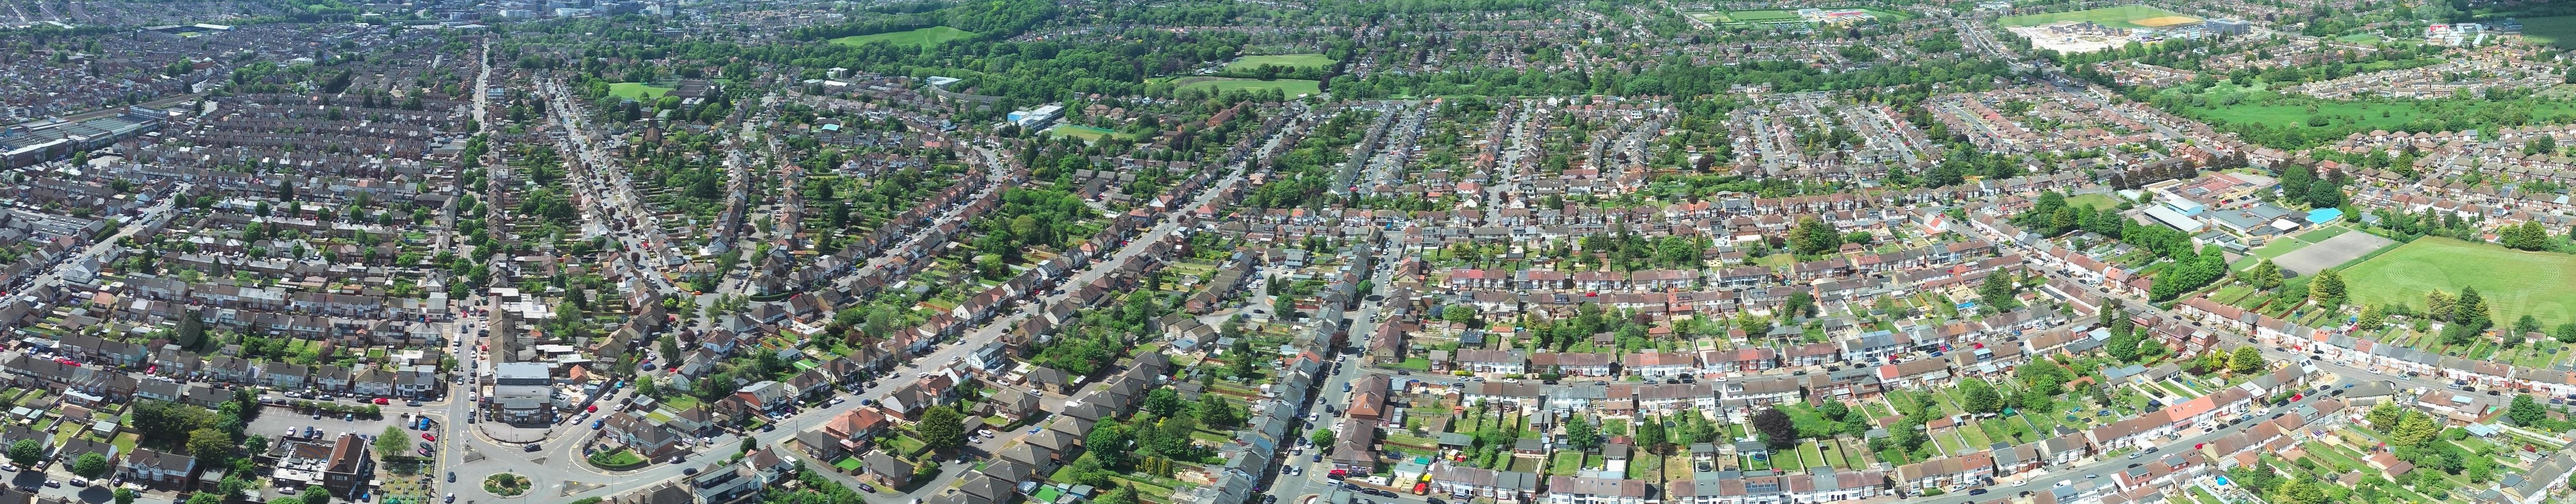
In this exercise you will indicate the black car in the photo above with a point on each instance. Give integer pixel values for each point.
(1435, 500)
(451, 476)
(689, 471)
(2133, 466)
(1976, 491)
(533, 448)
(2153, 449)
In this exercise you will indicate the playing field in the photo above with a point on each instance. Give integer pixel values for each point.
(1290, 87)
(920, 37)
(1082, 132)
(1249, 63)
(636, 91)
(2514, 283)
(2125, 16)
(1763, 16)
(2559, 30)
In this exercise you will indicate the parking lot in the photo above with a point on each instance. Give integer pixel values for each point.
(275, 420)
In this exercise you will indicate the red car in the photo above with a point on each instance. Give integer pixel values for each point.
(592, 409)
(383, 401)
(428, 436)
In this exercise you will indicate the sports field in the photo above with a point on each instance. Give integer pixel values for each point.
(2125, 16)
(2332, 247)
(637, 91)
(1250, 63)
(919, 37)
(2513, 282)
(1290, 87)
(2559, 30)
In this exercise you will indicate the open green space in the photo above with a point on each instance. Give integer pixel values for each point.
(2094, 200)
(2558, 30)
(1083, 132)
(2514, 283)
(1290, 87)
(637, 91)
(1250, 63)
(922, 37)
(2115, 17)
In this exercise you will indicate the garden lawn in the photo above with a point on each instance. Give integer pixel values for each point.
(920, 38)
(2504, 277)
(1565, 463)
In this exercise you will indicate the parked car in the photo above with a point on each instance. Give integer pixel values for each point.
(451, 476)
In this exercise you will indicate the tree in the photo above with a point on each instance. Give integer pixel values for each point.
(125, 495)
(2525, 412)
(1775, 428)
(1980, 397)
(1581, 434)
(206, 498)
(2327, 288)
(2372, 319)
(2265, 275)
(1320, 437)
(1458, 314)
(1996, 293)
(211, 444)
(942, 428)
(393, 441)
(2415, 429)
(1216, 413)
(1812, 237)
(1113, 443)
(1650, 433)
(2438, 305)
(26, 452)
(1163, 402)
(2540, 144)
(165, 422)
(2247, 360)
(90, 465)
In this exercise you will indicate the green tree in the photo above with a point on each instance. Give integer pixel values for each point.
(1775, 428)
(2265, 275)
(1650, 433)
(1980, 397)
(1321, 437)
(2248, 360)
(90, 465)
(1113, 443)
(1458, 314)
(210, 444)
(1812, 237)
(1997, 293)
(2327, 288)
(392, 442)
(2372, 319)
(1582, 435)
(1163, 402)
(124, 495)
(26, 452)
(2526, 412)
(942, 428)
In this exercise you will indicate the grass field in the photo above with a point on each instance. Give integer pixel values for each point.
(1291, 87)
(1083, 132)
(2095, 200)
(2125, 16)
(1250, 63)
(2559, 30)
(637, 91)
(918, 37)
(2514, 283)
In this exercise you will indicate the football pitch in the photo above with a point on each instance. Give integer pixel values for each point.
(2515, 283)
(2125, 16)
